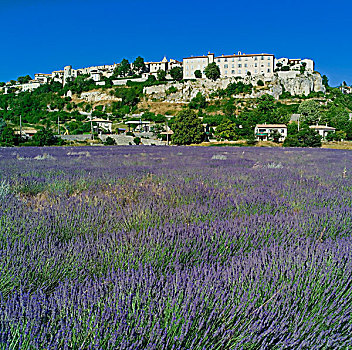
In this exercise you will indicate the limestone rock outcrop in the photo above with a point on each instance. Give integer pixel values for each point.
(292, 82)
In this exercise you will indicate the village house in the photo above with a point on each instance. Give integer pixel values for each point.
(322, 130)
(263, 132)
(165, 65)
(101, 124)
(42, 78)
(294, 64)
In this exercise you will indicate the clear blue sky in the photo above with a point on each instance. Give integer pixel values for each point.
(39, 36)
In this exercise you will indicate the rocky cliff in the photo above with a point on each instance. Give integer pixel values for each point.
(292, 82)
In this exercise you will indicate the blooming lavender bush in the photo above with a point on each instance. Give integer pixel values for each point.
(141, 248)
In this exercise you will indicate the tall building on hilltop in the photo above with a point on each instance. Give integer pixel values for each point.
(236, 65)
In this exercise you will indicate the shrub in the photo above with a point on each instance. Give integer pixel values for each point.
(198, 102)
(198, 73)
(137, 140)
(110, 141)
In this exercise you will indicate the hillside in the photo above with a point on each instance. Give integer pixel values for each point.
(244, 101)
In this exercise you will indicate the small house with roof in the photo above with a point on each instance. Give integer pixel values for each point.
(263, 132)
(322, 130)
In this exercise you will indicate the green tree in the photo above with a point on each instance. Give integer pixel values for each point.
(161, 74)
(338, 117)
(137, 140)
(260, 82)
(275, 136)
(325, 81)
(110, 141)
(198, 102)
(187, 128)
(198, 73)
(304, 138)
(266, 107)
(124, 68)
(24, 80)
(139, 65)
(7, 137)
(310, 110)
(302, 68)
(45, 137)
(212, 71)
(151, 78)
(229, 108)
(226, 130)
(336, 136)
(176, 73)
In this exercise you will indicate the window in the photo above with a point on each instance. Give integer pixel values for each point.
(246, 65)
(226, 66)
(282, 131)
(261, 130)
(239, 71)
(218, 59)
(233, 72)
(262, 58)
(256, 71)
(233, 66)
(225, 59)
(255, 64)
(269, 58)
(268, 70)
(225, 71)
(246, 59)
(239, 65)
(255, 58)
(268, 64)
(239, 58)
(233, 60)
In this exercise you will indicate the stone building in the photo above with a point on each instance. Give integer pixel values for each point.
(236, 65)
(153, 67)
(322, 130)
(294, 64)
(263, 132)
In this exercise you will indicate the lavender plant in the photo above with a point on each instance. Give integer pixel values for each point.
(175, 248)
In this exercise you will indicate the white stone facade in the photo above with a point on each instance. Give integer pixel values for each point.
(237, 65)
(322, 130)
(294, 64)
(154, 67)
(263, 132)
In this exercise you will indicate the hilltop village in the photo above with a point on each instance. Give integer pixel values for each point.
(236, 65)
(249, 97)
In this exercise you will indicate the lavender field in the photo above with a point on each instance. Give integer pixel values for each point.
(175, 248)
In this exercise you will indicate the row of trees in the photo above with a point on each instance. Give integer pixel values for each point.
(44, 137)
(234, 124)
(188, 129)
